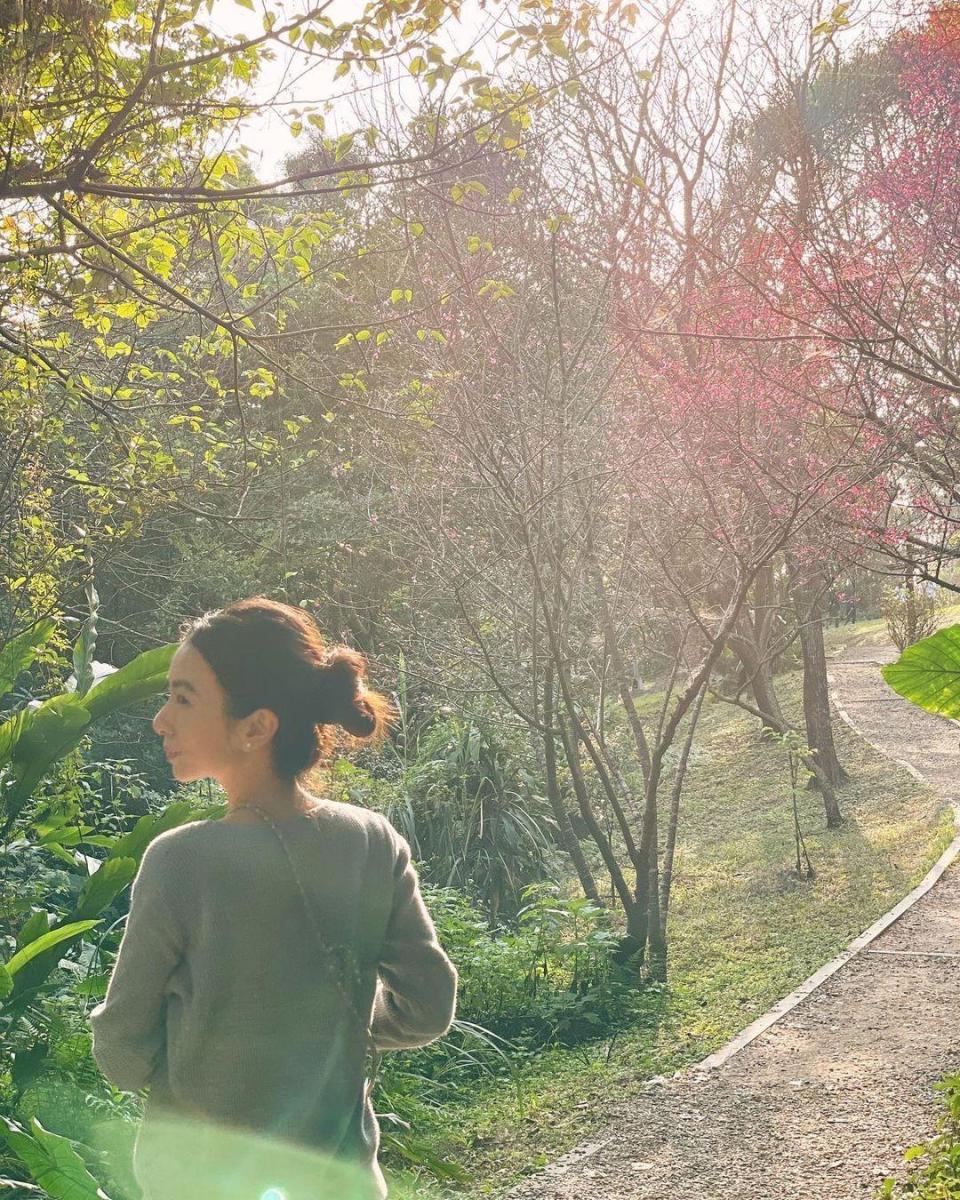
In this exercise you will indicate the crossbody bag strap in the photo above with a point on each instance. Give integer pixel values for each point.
(341, 952)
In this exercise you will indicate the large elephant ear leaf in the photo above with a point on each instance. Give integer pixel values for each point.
(47, 941)
(44, 734)
(49, 724)
(52, 1162)
(142, 677)
(103, 886)
(17, 654)
(928, 673)
(11, 731)
(36, 737)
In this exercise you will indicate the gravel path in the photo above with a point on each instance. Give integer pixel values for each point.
(821, 1105)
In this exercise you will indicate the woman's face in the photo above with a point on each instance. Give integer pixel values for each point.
(198, 738)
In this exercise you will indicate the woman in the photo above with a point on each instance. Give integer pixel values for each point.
(267, 952)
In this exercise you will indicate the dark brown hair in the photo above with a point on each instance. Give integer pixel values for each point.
(271, 655)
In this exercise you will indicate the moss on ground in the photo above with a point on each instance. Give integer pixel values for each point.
(744, 931)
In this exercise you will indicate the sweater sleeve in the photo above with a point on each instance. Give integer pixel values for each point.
(129, 1026)
(417, 987)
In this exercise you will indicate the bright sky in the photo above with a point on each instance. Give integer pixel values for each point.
(291, 80)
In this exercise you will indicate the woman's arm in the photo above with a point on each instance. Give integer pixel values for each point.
(417, 991)
(129, 1026)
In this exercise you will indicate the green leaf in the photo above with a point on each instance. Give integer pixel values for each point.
(73, 930)
(36, 737)
(20, 652)
(343, 146)
(103, 886)
(52, 1161)
(140, 678)
(93, 985)
(421, 1155)
(245, 4)
(86, 644)
(63, 854)
(928, 673)
(35, 926)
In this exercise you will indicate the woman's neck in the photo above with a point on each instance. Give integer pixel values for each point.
(252, 779)
(279, 805)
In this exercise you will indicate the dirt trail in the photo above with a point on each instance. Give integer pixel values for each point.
(821, 1105)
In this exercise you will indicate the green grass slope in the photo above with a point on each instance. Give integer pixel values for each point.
(744, 931)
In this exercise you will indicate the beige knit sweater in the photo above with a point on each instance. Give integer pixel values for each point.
(220, 1004)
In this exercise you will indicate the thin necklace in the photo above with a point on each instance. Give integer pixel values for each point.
(288, 816)
(294, 812)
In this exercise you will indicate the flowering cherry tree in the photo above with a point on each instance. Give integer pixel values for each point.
(764, 445)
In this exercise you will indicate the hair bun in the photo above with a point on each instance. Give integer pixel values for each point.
(344, 702)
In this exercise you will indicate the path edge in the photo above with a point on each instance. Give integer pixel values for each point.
(743, 1039)
(740, 1041)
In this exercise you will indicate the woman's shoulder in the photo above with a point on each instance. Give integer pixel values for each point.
(371, 822)
(350, 821)
(178, 840)
(361, 831)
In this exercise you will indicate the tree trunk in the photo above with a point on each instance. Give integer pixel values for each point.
(831, 805)
(780, 726)
(571, 752)
(666, 875)
(808, 601)
(759, 675)
(631, 947)
(645, 895)
(569, 840)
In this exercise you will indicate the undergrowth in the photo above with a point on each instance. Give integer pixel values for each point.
(744, 931)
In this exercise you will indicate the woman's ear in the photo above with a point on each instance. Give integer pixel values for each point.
(259, 726)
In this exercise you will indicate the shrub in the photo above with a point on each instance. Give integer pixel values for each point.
(939, 1176)
(472, 813)
(549, 982)
(910, 612)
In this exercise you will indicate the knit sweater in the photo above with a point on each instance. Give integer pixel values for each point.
(221, 1004)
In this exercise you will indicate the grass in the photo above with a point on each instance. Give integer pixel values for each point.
(744, 931)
